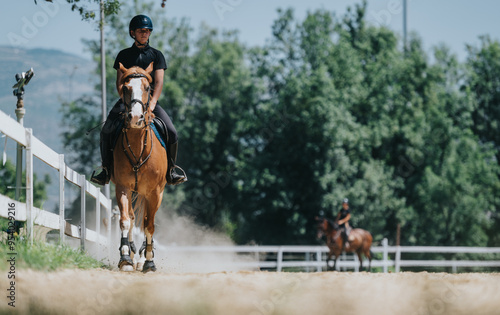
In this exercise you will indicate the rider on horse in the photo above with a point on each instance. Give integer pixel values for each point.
(342, 220)
(140, 54)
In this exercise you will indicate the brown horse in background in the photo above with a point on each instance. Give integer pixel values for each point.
(359, 242)
(140, 166)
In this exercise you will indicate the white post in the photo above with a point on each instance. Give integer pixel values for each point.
(319, 267)
(29, 186)
(398, 258)
(62, 221)
(385, 246)
(108, 230)
(280, 259)
(356, 261)
(83, 228)
(98, 222)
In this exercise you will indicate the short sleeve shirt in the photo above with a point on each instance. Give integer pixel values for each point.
(141, 57)
(344, 213)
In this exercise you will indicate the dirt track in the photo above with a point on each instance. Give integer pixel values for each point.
(111, 292)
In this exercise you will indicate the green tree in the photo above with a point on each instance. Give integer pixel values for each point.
(8, 175)
(110, 7)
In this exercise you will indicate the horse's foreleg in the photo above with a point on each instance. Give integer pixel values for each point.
(133, 250)
(330, 254)
(360, 260)
(154, 202)
(126, 263)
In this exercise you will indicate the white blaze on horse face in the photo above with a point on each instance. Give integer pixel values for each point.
(136, 111)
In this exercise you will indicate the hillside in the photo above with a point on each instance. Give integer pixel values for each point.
(59, 77)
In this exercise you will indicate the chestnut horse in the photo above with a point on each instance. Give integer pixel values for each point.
(359, 242)
(140, 166)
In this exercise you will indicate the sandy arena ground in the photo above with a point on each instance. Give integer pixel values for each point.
(252, 293)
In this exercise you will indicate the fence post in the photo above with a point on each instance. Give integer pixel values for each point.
(319, 268)
(385, 246)
(62, 222)
(398, 258)
(29, 185)
(280, 259)
(98, 222)
(108, 230)
(83, 228)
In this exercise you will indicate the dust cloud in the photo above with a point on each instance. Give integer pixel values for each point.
(173, 233)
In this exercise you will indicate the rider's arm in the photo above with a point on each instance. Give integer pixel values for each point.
(119, 75)
(159, 73)
(338, 217)
(344, 220)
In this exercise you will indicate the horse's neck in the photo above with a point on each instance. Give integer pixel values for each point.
(136, 137)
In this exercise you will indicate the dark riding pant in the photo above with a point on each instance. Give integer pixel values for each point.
(111, 125)
(159, 112)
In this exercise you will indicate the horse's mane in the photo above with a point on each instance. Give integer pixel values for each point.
(331, 223)
(136, 70)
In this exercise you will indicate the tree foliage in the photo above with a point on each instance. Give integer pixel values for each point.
(329, 108)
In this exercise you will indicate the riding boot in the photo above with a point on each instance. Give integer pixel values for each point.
(172, 177)
(344, 238)
(107, 161)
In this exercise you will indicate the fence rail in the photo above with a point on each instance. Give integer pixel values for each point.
(32, 215)
(318, 252)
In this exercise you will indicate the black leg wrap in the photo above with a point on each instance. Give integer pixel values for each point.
(149, 265)
(125, 259)
(132, 247)
(124, 242)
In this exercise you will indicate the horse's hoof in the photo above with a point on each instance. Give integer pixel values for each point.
(140, 265)
(126, 263)
(149, 265)
(127, 268)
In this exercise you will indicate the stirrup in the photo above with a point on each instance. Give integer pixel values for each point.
(183, 178)
(102, 178)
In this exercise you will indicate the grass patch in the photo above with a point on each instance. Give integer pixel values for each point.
(45, 257)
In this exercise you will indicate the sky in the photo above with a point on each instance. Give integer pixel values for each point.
(452, 22)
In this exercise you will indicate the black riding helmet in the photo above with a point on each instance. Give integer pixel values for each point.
(140, 21)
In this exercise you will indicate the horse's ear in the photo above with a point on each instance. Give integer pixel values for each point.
(122, 68)
(149, 69)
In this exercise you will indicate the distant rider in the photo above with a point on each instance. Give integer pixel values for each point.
(342, 220)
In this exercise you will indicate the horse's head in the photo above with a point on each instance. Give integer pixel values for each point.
(135, 94)
(322, 226)
(325, 226)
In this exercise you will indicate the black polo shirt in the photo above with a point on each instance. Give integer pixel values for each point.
(141, 57)
(343, 213)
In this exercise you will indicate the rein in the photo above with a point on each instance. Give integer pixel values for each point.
(134, 161)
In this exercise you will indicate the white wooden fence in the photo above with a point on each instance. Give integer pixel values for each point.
(314, 256)
(27, 212)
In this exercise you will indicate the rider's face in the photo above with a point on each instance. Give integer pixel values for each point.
(141, 35)
(345, 206)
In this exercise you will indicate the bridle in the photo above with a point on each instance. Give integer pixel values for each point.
(133, 159)
(135, 100)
